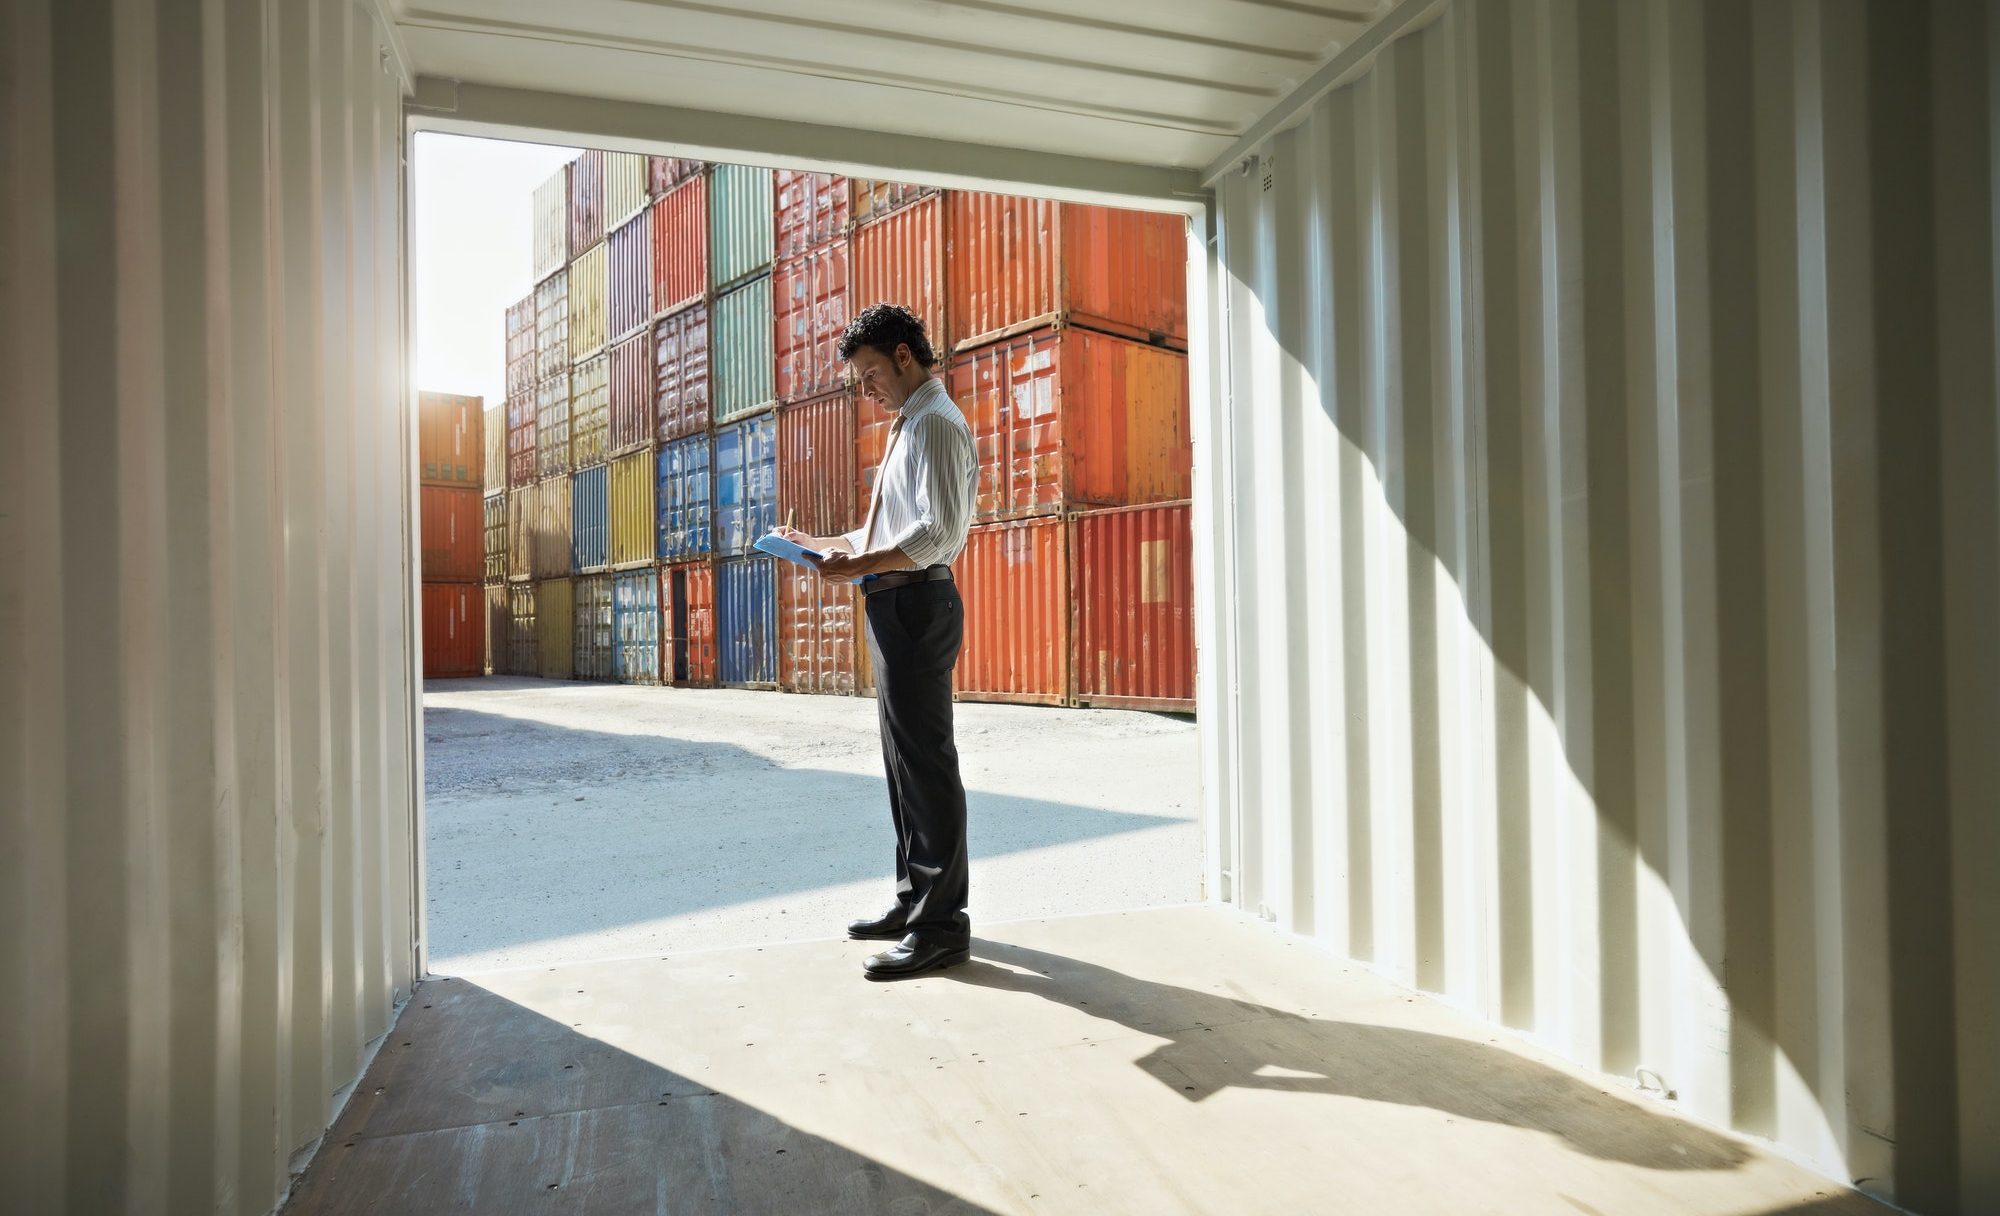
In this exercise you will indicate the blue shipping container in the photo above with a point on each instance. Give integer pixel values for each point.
(681, 500)
(590, 518)
(635, 622)
(746, 484)
(746, 629)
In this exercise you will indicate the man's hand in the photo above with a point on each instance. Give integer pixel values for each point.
(802, 539)
(846, 567)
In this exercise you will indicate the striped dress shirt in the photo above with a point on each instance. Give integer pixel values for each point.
(927, 485)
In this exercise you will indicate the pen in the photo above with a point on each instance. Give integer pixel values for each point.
(791, 519)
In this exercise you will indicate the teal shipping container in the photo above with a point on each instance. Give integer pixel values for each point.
(746, 484)
(739, 223)
(635, 624)
(590, 519)
(746, 635)
(741, 371)
(681, 500)
(593, 627)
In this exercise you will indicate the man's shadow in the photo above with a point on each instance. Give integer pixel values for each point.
(1215, 1042)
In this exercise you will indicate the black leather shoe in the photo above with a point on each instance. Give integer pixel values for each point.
(912, 956)
(888, 926)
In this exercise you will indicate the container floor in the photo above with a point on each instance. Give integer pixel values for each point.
(1159, 1061)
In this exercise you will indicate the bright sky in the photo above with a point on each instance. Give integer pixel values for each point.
(474, 201)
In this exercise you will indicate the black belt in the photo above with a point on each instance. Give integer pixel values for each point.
(903, 578)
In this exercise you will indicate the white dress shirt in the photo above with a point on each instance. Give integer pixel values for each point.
(928, 482)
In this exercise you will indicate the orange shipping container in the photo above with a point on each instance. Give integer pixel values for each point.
(899, 258)
(1066, 417)
(680, 245)
(816, 480)
(687, 625)
(454, 632)
(1023, 263)
(1132, 583)
(812, 210)
(452, 524)
(1014, 579)
(809, 304)
(816, 638)
(449, 448)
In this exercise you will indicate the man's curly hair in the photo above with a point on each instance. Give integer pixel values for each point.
(884, 327)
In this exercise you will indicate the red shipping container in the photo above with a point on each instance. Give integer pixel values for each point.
(521, 345)
(680, 245)
(899, 258)
(871, 440)
(816, 633)
(1066, 417)
(816, 479)
(1014, 579)
(586, 201)
(1024, 263)
(454, 630)
(521, 439)
(629, 271)
(663, 173)
(452, 523)
(811, 210)
(809, 304)
(687, 625)
(1132, 584)
(449, 449)
(631, 392)
(680, 374)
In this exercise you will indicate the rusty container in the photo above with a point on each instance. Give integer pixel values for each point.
(1068, 417)
(812, 210)
(625, 191)
(454, 630)
(493, 437)
(449, 450)
(1132, 587)
(499, 630)
(552, 425)
(550, 227)
(816, 480)
(899, 259)
(631, 393)
(868, 198)
(1014, 578)
(549, 546)
(493, 528)
(451, 524)
(521, 344)
(521, 455)
(629, 259)
(589, 411)
(586, 201)
(680, 373)
(663, 173)
(524, 652)
(554, 617)
(680, 245)
(687, 625)
(809, 299)
(552, 325)
(521, 535)
(1024, 263)
(590, 620)
(816, 633)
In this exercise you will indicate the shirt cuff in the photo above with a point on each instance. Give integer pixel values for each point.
(919, 543)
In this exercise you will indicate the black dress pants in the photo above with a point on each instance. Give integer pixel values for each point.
(914, 634)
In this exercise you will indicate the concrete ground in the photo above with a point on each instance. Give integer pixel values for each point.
(569, 821)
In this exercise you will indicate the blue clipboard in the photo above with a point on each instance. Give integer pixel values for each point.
(778, 546)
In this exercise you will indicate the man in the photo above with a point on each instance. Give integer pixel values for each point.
(901, 556)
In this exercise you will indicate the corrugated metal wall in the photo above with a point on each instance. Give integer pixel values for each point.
(206, 593)
(1608, 401)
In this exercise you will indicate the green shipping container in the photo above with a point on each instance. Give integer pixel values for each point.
(739, 223)
(741, 375)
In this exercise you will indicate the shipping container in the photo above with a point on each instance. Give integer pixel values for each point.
(631, 393)
(588, 283)
(871, 440)
(551, 225)
(493, 436)
(629, 306)
(1025, 263)
(454, 630)
(816, 476)
(1014, 579)
(816, 632)
(740, 351)
(663, 173)
(687, 625)
(552, 325)
(869, 198)
(554, 615)
(586, 201)
(1067, 417)
(1132, 597)
(549, 547)
(590, 519)
(812, 210)
(590, 613)
(746, 483)
(739, 224)
(521, 535)
(449, 449)
(680, 245)
(680, 373)
(746, 611)
(451, 523)
(899, 259)
(524, 649)
(625, 190)
(499, 630)
(493, 527)
(632, 516)
(552, 425)
(636, 626)
(521, 344)
(683, 503)
(521, 454)
(590, 411)
(809, 294)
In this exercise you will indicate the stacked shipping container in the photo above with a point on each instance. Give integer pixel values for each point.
(451, 526)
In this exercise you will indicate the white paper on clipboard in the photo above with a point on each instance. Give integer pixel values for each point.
(798, 555)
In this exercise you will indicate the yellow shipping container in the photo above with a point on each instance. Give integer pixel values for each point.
(520, 533)
(552, 523)
(587, 284)
(632, 509)
(553, 602)
(624, 187)
(494, 476)
(589, 410)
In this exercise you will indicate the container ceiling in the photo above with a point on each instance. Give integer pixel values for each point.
(1160, 82)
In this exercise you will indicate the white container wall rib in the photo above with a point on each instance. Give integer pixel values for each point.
(1607, 632)
(206, 747)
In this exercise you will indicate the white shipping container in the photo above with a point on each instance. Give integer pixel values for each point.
(550, 228)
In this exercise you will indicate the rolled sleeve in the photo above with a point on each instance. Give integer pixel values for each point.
(943, 493)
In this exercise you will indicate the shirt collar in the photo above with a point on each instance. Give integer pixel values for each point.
(915, 403)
